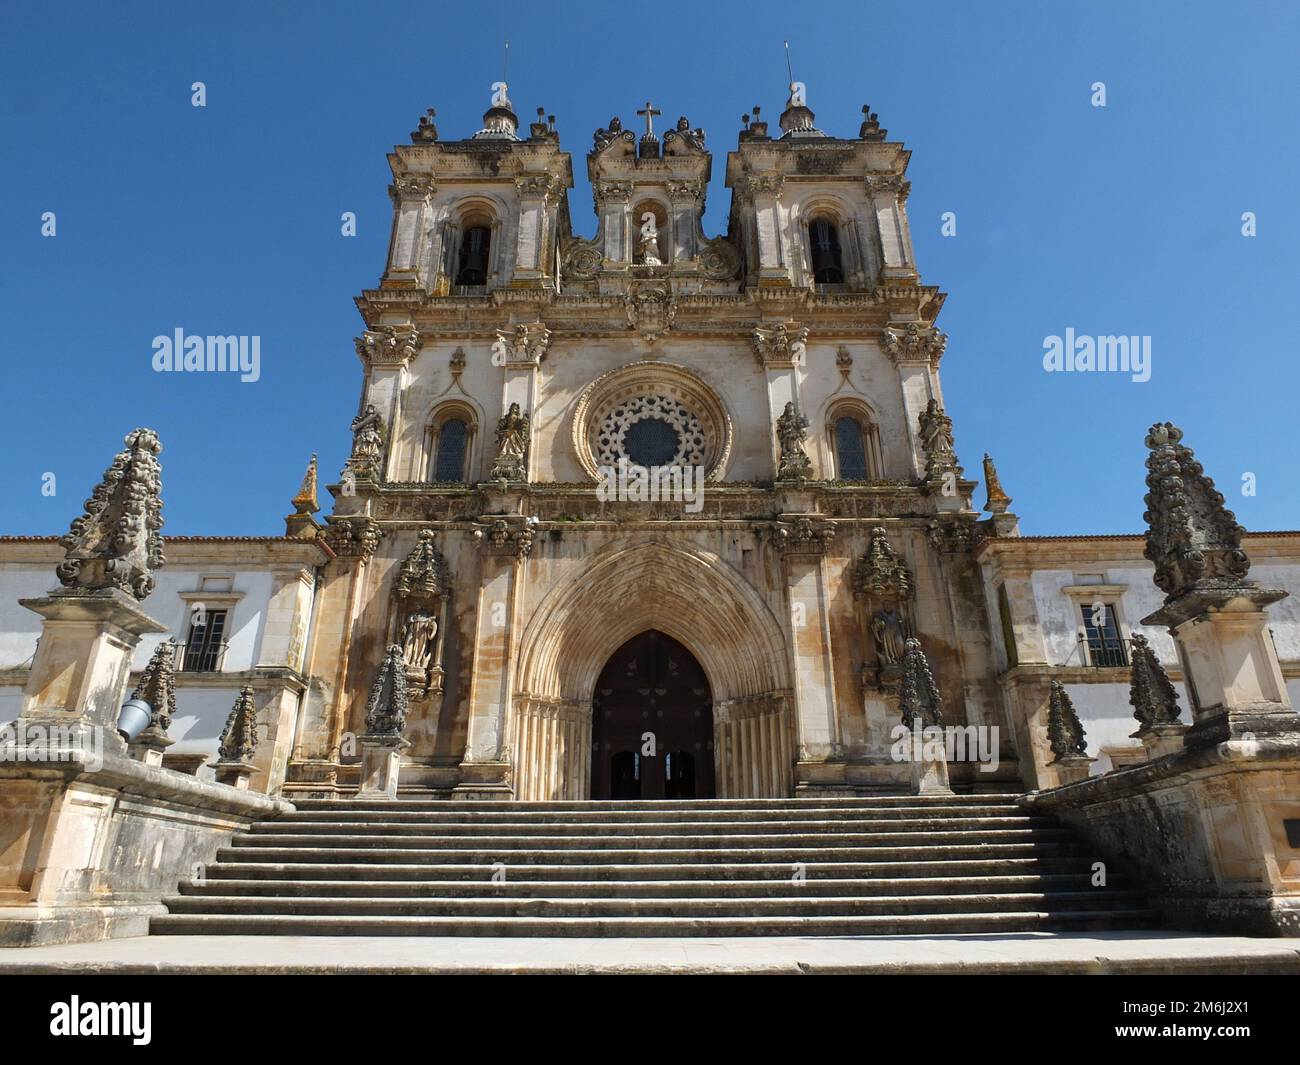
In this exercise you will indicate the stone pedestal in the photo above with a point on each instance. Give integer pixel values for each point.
(1072, 770)
(929, 765)
(150, 746)
(485, 780)
(1160, 740)
(381, 763)
(236, 774)
(79, 675)
(1233, 678)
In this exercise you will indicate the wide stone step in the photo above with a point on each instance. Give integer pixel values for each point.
(661, 806)
(595, 872)
(866, 924)
(573, 855)
(659, 889)
(588, 828)
(817, 906)
(451, 813)
(490, 841)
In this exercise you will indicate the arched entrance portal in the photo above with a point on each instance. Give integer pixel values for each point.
(652, 723)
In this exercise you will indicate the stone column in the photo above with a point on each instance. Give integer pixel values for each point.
(888, 194)
(1214, 613)
(486, 770)
(764, 191)
(410, 194)
(802, 541)
(537, 197)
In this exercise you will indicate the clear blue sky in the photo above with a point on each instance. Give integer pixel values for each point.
(1123, 220)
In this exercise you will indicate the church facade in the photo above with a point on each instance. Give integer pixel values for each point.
(651, 514)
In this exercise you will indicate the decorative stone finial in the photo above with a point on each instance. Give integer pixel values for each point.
(998, 501)
(386, 707)
(919, 698)
(1193, 539)
(116, 543)
(157, 687)
(797, 118)
(1064, 730)
(305, 501)
(426, 132)
(239, 739)
(1151, 693)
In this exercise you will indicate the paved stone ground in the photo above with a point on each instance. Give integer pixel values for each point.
(1094, 953)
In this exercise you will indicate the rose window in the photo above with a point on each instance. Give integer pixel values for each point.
(651, 431)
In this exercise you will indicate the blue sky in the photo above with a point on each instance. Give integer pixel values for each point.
(225, 219)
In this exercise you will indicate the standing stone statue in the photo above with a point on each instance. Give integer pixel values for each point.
(791, 432)
(937, 442)
(512, 445)
(367, 443)
(889, 633)
(418, 636)
(649, 240)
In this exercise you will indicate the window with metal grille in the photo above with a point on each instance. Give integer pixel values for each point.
(850, 450)
(206, 642)
(1101, 636)
(449, 462)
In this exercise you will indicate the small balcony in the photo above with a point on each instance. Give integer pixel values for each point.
(1109, 651)
(201, 657)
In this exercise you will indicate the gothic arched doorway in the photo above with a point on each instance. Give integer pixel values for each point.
(652, 723)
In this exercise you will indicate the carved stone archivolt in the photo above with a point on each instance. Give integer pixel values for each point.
(637, 392)
(116, 544)
(420, 598)
(883, 584)
(1193, 539)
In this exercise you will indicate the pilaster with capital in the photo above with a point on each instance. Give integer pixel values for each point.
(412, 195)
(888, 194)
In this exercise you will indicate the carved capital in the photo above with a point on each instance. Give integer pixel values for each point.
(412, 187)
(780, 345)
(912, 343)
(388, 346)
(800, 536)
(523, 346)
(353, 537)
(510, 538)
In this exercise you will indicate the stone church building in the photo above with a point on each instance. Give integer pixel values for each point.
(551, 613)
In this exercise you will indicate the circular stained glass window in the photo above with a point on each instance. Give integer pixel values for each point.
(651, 442)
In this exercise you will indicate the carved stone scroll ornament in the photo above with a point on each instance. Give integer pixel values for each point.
(792, 434)
(1193, 539)
(583, 259)
(513, 432)
(116, 544)
(719, 260)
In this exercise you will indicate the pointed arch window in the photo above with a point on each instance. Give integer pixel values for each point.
(824, 244)
(854, 443)
(451, 449)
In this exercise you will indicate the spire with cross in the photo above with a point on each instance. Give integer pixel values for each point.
(649, 142)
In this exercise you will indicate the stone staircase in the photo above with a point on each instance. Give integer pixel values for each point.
(898, 865)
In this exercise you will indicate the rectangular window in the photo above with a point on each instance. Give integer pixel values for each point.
(206, 642)
(1103, 644)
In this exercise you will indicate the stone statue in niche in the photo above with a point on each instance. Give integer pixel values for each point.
(418, 636)
(649, 240)
(889, 633)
